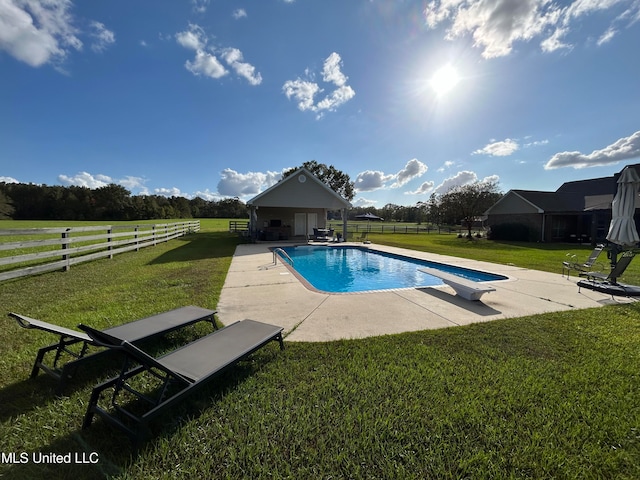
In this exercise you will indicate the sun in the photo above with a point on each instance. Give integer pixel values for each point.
(444, 80)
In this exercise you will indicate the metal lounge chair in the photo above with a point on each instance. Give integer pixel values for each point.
(136, 331)
(608, 283)
(587, 266)
(177, 374)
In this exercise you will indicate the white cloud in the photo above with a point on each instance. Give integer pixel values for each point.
(331, 71)
(234, 58)
(446, 165)
(131, 182)
(414, 168)
(423, 189)
(239, 13)
(363, 202)
(235, 184)
(208, 195)
(85, 179)
(536, 143)
(200, 6)
(338, 97)
(194, 38)
(461, 178)
(304, 91)
(607, 36)
(37, 32)
(40, 32)
(496, 25)
(626, 148)
(169, 192)
(499, 149)
(206, 63)
(370, 180)
(8, 180)
(102, 37)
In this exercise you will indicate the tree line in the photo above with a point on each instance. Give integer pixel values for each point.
(461, 205)
(20, 201)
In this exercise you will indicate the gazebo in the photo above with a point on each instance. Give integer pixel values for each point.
(293, 207)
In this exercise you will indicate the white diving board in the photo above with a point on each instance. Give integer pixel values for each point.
(465, 288)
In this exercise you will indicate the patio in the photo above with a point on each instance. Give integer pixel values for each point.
(257, 289)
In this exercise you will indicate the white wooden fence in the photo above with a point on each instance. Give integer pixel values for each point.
(59, 248)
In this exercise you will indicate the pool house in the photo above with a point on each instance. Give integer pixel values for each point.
(291, 209)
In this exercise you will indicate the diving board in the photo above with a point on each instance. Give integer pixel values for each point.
(465, 288)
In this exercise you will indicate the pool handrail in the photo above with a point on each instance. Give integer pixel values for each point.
(284, 254)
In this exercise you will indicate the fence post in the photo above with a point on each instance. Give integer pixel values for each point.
(109, 238)
(153, 234)
(65, 246)
(136, 238)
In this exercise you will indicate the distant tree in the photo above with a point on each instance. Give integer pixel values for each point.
(432, 210)
(6, 209)
(467, 202)
(112, 202)
(337, 180)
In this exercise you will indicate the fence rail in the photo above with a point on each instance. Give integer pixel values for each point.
(386, 228)
(32, 251)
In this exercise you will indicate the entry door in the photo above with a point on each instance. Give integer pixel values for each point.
(300, 224)
(312, 222)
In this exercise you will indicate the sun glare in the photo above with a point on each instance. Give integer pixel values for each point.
(444, 80)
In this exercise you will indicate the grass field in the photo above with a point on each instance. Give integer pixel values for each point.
(546, 396)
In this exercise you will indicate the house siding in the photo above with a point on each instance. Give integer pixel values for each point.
(532, 220)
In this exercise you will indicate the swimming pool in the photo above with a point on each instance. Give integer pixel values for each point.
(345, 269)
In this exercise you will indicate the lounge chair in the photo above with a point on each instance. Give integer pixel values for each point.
(608, 283)
(176, 374)
(133, 332)
(364, 238)
(589, 265)
(614, 274)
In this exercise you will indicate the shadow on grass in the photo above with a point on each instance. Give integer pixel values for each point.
(26, 395)
(22, 397)
(102, 451)
(200, 246)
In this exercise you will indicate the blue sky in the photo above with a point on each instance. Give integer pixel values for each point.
(215, 98)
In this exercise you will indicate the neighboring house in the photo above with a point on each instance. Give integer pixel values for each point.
(293, 207)
(577, 211)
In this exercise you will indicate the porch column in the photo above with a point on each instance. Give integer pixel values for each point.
(344, 224)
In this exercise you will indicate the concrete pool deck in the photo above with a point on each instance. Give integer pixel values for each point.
(255, 288)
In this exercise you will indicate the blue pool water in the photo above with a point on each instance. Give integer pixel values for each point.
(356, 269)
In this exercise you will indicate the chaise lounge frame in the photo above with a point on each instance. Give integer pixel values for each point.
(133, 332)
(179, 373)
(608, 282)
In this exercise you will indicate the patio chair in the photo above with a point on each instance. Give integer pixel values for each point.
(362, 238)
(614, 274)
(589, 265)
(133, 332)
(176, 374)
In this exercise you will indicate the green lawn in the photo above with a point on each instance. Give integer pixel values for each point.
(546, 396)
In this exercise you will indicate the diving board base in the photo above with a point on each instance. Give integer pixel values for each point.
(467, 289)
